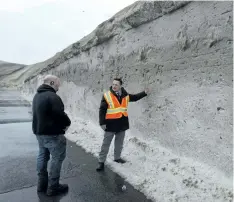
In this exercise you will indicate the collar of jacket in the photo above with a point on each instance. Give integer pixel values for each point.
(44, 88)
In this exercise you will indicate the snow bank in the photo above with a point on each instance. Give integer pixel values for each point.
(180, 146)
(154, 170)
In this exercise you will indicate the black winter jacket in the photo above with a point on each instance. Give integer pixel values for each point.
(49, 117)
(121, 124)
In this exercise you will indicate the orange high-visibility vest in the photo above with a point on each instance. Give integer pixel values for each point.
(116, 110)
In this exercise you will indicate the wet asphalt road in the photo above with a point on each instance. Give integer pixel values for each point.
(18, 162)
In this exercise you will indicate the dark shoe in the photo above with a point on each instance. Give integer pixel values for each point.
(42, 184)
(100, 167)
(120, 161)
(56, 190)
(42, 188)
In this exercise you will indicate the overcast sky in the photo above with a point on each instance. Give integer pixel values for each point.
(32, 31)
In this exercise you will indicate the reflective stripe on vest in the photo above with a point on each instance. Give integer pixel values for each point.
(109, 100)
(115, 110)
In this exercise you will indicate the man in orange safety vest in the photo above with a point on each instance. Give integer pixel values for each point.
(113, 118)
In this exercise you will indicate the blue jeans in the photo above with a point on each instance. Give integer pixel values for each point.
(54, 145)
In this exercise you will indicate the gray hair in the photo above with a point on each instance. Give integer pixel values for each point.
(50, 78)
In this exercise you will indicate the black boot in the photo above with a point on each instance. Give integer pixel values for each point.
(122, 161)
(56, 190)
(100, 167)
(42, 183)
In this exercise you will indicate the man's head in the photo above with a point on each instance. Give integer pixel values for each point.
(52, 81)
(117, 84)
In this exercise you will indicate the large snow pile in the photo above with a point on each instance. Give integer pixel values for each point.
(180, 143)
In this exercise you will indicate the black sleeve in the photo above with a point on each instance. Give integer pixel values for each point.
(136, 97)
(57, 108)
(102, 111)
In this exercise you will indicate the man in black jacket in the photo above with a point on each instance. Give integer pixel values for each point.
(113, 119)
(49, 124)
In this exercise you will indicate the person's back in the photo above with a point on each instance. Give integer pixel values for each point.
(49, 124)
(48, 112)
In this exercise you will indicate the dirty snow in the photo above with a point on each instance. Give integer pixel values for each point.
(154, 170)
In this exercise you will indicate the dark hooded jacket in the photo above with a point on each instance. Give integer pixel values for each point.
(121, 124)
(49, 117)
